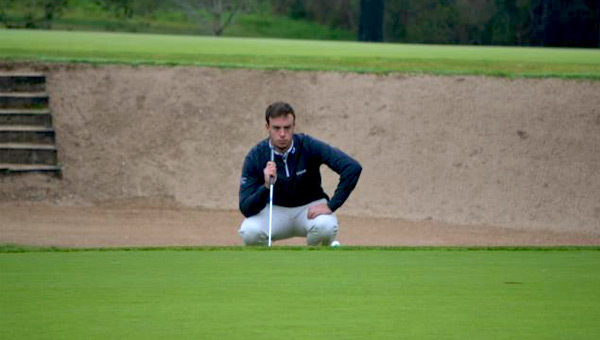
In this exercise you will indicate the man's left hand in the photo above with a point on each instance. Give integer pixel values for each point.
(319, 209)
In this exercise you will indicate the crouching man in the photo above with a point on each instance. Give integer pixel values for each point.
(301, 208)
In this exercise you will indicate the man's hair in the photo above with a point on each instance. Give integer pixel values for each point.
(279, 109)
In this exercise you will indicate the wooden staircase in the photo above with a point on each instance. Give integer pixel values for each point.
(27, 138)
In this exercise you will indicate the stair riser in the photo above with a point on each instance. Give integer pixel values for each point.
(10, 102)
(26, 119)
(13, 156)
(22, 83)
(27, 137)
(50, 172)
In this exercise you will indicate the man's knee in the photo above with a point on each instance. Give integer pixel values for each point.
(323, 230)
(252, 234)
(327, 224)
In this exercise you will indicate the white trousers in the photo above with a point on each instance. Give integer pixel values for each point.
(288, 223)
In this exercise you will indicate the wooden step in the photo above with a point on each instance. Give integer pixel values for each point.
(23, 94)
(36, 117)
(28, 167)
(26, 146)
(32, 82)
(21, 169)
(24, 112)
(27, 134)
(25, 100)
(28, 153)
(25, 128)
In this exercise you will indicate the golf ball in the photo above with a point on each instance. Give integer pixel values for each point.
(335, 244)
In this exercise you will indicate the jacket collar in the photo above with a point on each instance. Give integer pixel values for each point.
(285, 154)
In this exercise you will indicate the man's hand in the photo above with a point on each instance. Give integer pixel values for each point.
(270, 171)
(319, 209)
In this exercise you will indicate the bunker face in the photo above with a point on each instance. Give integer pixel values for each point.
(471, 151)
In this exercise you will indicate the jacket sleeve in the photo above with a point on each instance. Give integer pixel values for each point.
(347, 167)
(253, 194)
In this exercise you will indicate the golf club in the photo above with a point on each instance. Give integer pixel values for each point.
(271, 201)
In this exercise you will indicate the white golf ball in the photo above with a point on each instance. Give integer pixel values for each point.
(335, 244)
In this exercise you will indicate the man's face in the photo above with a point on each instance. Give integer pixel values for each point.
(281, 131)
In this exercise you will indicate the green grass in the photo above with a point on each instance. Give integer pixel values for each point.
(88, 15)
(246, 25)
(255, 25)
(150, 49)
(240, 293)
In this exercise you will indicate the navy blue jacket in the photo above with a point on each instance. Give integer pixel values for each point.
(298, 176)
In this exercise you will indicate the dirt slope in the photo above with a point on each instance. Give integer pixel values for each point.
(509, 154)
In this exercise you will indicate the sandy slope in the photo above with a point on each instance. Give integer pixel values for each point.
(446, 156)
(142, 225)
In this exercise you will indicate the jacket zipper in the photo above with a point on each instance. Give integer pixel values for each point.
(287, 172)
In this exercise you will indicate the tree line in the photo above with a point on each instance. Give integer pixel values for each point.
(565, 23)
(568, 23)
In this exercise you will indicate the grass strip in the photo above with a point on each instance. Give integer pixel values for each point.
(340, 56)
(15, 248)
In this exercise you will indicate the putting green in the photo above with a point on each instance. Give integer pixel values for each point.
(286, 294)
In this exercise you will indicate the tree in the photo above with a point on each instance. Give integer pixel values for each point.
(370, 26)
(565, 23)
(217, 14)
(435, 22)
(120, 8)
(472, 18)
(332, 13)
(598, 23)
(36, 13)
(509, 24)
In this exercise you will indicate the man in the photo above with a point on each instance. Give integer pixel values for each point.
(300, 206)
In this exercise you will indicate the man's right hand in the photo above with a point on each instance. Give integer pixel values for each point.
(270, 171)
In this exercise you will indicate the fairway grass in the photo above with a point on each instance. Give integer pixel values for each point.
(284, 294)
(153, 49)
